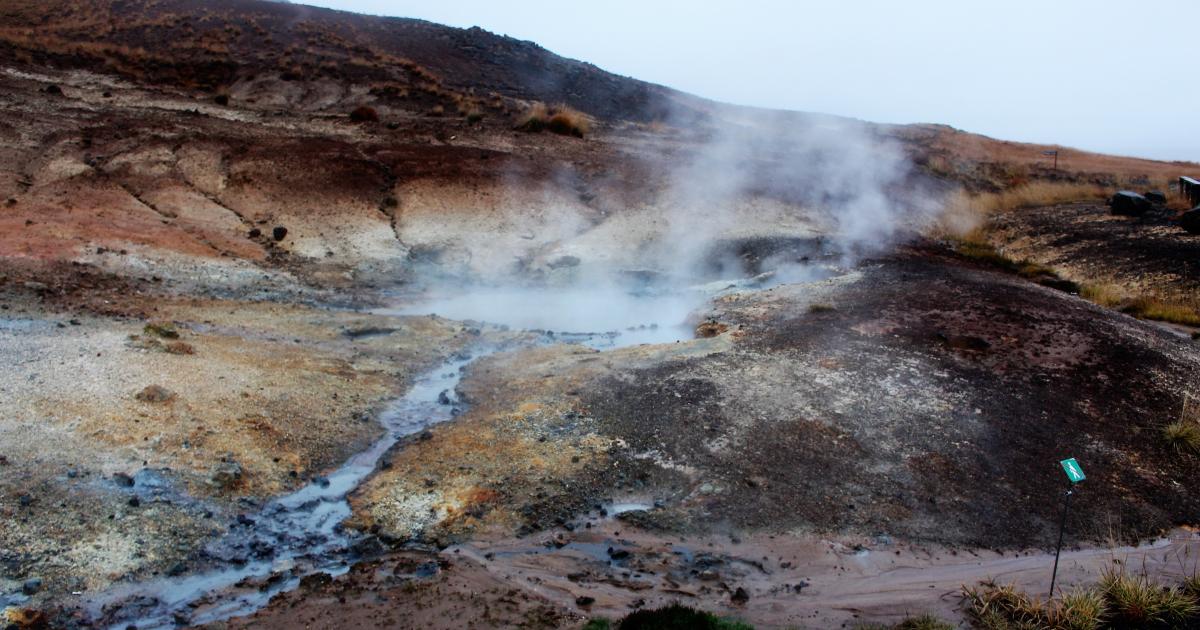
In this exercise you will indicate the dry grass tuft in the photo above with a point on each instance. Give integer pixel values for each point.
(963, 212)
(1161, 309)
(1136, 602)
(1184, 436)
(1119, 600)
(1103, 293)
(560, 119)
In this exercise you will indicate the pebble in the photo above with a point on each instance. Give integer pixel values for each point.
(31, 586)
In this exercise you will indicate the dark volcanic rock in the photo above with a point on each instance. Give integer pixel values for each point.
(279, 233)
(1190, 221)
(1156, 197)
(1129, 203)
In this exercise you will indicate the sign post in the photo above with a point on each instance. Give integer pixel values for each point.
(1075, 474)
(1055, 154)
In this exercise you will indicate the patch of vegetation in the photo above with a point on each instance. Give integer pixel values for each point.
(1144, 306)
(364, 113)
(1184, 436)
(166, 330)
(560, 119)
(1161, 310)
(1119, 600)
(964, 212)
(673, 617)
(975, 246)
(821, 307)
(1104, 294)
(924, 622)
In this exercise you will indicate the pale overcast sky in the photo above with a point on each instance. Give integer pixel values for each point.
(1117, 77)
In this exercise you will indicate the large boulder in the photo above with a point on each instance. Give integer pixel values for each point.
(1190, 220)
(1156, 197)
(1129, 203)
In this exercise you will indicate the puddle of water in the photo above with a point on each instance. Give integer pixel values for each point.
(292, 536)
(607, 317)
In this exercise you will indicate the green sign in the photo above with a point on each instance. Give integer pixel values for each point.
(1073, 469)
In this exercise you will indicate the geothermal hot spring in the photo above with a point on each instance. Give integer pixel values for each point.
(270, 549)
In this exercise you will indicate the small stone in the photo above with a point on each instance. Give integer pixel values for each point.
(31, 586)
(226, 475)
(279, 233)
(254, 233)
(25, 499)
(135, 502)
(740, 596)
(123, 480)
(584, 600)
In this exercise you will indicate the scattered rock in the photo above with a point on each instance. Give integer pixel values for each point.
(584, 600)
(1129, 203)
(53, 89)
(618, 554)
(740, 596)
(1157, 197)
(1190, 221)
(123, 480)
(443, 398)
(155, 394)
(226, 475)
(279, 233)
(31, 586)
(708, 575)
(315, 580)
(135, 502)
(254, 233)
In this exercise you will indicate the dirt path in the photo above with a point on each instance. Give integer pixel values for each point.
(561, 578)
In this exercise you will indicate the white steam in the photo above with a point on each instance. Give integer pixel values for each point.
(751, 192)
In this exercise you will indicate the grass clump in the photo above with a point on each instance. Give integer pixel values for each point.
(166, 330)
(1136, 602)
(364, 113)
(1143, 306)
(1119, 600)
(963, 212)
(673, 617)
(1184, 436)
(923, 622)
(1148, 307)
(560, 119)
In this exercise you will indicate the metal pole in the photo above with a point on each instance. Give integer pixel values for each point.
(1062, 525)
(1056, 160)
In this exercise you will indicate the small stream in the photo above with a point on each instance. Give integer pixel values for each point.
(295, 535)
(301, 534)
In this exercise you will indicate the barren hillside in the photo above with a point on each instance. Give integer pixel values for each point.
(318, 306)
